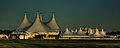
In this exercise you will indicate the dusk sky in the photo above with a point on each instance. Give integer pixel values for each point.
(71, 13)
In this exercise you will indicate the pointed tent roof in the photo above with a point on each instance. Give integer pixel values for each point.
(80, 32)
(72, 30)
(37, 26)
(52, 23)
(103, 33)
(67, 31)
(97, 33)
(24, 25)
(75, 30)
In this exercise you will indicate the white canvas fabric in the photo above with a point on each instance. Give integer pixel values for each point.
(97, 33)
(67, 31)
(37, 26)
(24, 25)
(103, 33)
(52, 24)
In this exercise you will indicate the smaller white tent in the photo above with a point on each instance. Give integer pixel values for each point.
(103, 33)
(76, 30)
(67, 31)
(97, 33)
(80, 32)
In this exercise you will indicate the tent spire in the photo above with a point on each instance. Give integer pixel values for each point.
(80, 30)
(72, 30)
(102, 32)
(53, 16)
(102, 29)
(97, 32)
(40, 16)
(67, 31)
(25, 16)
(37, 14)
(75, 30)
